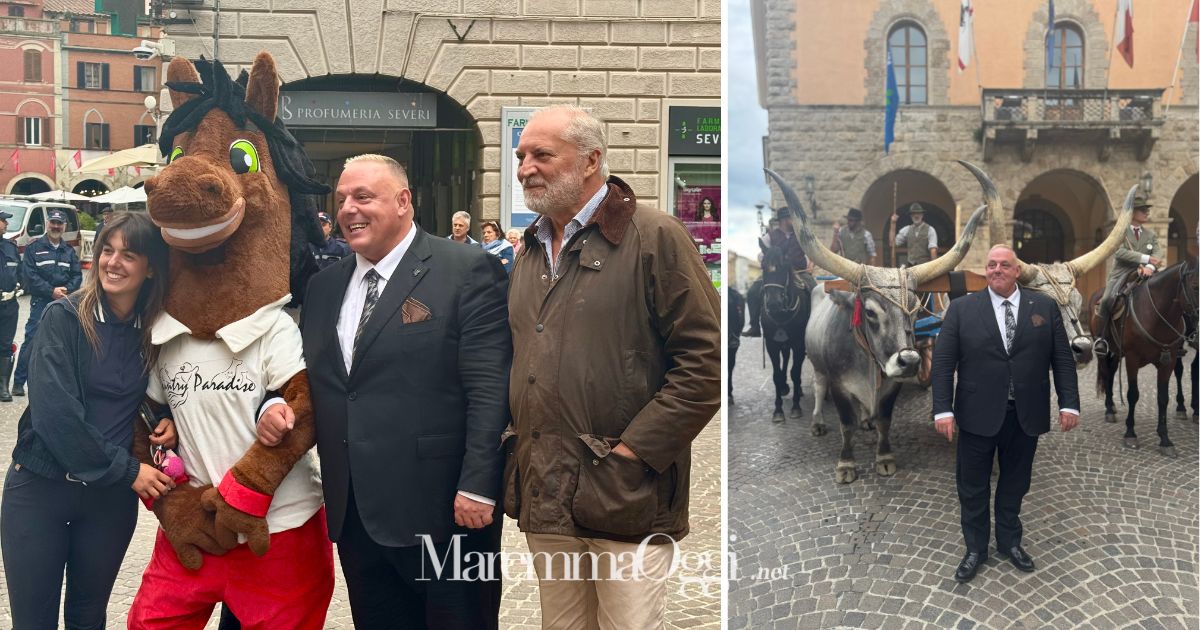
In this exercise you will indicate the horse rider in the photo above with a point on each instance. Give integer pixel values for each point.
(754, 293)
(784, 238)
(1139, 252)
(853, 241)
(916, 235)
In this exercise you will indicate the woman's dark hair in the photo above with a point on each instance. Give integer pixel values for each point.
(495, 225)
(141, 237)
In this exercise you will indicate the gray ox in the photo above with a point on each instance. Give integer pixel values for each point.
(864, 367)
(1057, 280)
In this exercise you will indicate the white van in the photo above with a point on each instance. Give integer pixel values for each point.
(28, 221)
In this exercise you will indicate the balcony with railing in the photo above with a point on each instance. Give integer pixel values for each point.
(27, 26)
(1105, 117)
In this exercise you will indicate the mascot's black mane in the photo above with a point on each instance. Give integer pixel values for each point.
(292, 166)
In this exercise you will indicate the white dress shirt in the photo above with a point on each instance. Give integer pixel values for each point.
(356, 292)
(998, 311)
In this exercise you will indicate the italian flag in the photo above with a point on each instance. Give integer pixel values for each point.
(1125, 30)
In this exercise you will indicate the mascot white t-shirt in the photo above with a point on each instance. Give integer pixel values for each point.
(215, 388)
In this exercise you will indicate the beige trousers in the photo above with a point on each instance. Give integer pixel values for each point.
(596, 584)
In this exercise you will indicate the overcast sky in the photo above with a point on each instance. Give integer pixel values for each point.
(745, 126)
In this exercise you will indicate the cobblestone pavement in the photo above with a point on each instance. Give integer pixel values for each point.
(1113, 531)
(693, 601)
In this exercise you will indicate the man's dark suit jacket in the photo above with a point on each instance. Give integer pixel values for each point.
(970, 341)
(421, 412)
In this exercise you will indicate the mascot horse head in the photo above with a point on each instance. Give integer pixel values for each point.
(236, 201)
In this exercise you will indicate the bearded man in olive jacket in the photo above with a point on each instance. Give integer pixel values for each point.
(617, 336)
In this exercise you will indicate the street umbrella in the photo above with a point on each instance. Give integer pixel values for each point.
(60, 195)
(122, 195)
(145, 155)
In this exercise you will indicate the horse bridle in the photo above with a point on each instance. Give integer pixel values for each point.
(1188, 308)
(793, 308)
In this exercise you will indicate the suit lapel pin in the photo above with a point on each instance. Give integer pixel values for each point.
(416, 272)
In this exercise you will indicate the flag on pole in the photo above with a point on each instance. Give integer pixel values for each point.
(893, 105)
(1050, 35)
(1125, 30)
(78, 158)
(15, 158)
(966, 29)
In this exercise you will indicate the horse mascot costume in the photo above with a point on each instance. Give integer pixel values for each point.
(237, 204)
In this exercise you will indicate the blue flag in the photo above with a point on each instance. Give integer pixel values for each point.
(893, 105)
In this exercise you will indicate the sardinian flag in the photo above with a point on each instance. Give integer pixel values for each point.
(1125, 30)
(966, 30)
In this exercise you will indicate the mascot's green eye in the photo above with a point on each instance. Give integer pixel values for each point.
(243, 157)
(176, 153)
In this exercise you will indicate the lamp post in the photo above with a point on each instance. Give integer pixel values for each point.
(810, 191)
(762, 227)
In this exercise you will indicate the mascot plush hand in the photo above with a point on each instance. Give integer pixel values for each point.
(237, 204)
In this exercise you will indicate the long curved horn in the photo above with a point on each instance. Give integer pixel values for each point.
(1105, 250)
(842, 267)
(947, 263)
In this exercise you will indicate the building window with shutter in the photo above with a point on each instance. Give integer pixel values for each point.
(143, 134)
(92, 76)
(144, 79)
(33, 132)
(33, 66)
(16, 11)
(96, 136)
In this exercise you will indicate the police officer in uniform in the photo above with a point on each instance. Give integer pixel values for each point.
(920, 238)
(1139, 251)
(853, 242)
(10, 271)
(334, 248)
(50, 271)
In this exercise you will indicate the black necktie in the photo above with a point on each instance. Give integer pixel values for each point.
(368, 305)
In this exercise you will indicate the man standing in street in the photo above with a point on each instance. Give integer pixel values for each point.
(10, 265)
(409, 353)
(919, 237)
(51, 271)
(1003, 343)
(617, 337)
(1140, 252)
(460, 226)
(853, 242)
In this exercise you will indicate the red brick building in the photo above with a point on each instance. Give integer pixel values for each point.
(29, 104)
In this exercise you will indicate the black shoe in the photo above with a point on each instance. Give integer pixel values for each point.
(969, 566)
(1017, 556)
(18, 390)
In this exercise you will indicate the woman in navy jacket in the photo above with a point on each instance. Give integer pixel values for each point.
(67, 499)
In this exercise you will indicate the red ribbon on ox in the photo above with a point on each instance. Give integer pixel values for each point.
(856, 319)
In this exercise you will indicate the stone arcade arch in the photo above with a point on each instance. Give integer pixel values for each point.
(1080, 205)
(908, 186)
(30, 184)
(443, 161)
(1184, 213)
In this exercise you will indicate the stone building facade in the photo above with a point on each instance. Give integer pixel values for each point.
(628, 60)
(1062, 161)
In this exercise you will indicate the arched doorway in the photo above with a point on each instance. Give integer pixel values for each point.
(1184, 213)
(437, 141)
(1039, 233)
(1060, 215)
(30, 186)
(90, 187)
(895, 192)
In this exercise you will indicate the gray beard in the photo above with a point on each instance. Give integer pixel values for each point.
(559, 195)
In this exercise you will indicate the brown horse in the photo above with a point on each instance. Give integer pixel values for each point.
(1153, 332)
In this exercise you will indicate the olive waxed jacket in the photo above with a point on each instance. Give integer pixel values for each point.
(624, 346)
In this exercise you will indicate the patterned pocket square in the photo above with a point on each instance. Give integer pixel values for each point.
(1037, 320)
(413, 311)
